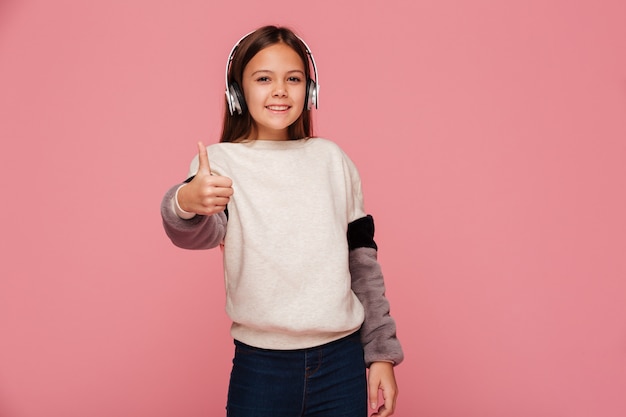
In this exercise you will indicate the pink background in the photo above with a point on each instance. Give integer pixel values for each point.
(491, 138)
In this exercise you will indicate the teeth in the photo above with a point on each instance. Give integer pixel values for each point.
(278, 108)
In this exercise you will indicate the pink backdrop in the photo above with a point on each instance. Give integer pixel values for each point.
(491, 137)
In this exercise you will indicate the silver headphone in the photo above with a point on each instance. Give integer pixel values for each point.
(234, 95)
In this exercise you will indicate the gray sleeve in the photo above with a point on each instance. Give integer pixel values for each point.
(200, 232)
(378, 332)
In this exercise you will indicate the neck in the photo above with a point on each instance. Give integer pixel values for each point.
(268, 135)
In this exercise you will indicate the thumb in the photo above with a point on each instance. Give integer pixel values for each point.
(203, 159)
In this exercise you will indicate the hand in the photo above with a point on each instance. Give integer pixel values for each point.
(381, 377)
(206, 194)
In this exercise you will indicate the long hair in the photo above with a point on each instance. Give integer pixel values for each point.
(238, 127)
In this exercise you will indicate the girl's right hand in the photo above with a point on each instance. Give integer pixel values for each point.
(206, 194)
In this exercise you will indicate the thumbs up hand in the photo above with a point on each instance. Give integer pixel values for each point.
(206, 194)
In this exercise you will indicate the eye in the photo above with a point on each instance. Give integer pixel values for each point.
(294, 79)
(263, 79)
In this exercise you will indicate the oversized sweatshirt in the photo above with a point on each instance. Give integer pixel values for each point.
(294, 233)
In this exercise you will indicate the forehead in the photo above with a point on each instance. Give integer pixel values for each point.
(275, 56)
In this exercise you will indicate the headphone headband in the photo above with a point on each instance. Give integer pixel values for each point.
(234, 96)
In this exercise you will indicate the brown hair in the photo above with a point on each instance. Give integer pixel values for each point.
(238, 127)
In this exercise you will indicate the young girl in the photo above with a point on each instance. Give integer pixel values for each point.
(303, 287)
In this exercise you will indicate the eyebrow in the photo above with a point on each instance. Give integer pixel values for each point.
(271, 72)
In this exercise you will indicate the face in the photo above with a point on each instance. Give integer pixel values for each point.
(274, 86)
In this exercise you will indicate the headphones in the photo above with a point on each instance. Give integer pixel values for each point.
(234, 95)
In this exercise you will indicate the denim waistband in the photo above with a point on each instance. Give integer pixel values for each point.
(351, 337)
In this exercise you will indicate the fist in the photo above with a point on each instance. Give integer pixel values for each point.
(206, 194)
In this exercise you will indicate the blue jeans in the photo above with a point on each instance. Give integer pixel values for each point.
(323, 381)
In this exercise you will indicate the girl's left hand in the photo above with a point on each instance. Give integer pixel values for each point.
(381, 377)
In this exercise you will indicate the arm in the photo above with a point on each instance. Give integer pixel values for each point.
(194, 214)
(199, 232)
(378, 333)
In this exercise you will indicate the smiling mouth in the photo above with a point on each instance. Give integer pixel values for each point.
(277, 108)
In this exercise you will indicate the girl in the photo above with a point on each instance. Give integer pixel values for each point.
(303, 287)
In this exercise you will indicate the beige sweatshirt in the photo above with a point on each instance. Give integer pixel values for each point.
(285, 253)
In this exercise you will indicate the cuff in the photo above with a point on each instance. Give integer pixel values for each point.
(185, 215)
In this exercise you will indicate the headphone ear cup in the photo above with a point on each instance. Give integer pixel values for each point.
(311, 95)
(236, 100)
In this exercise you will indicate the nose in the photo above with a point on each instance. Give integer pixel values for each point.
(279, 90)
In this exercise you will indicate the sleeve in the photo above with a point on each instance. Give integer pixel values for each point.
(199, 232)
(378, 332)
(354, 193)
